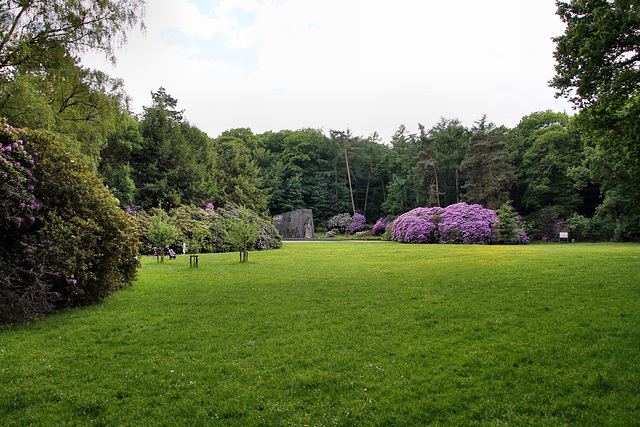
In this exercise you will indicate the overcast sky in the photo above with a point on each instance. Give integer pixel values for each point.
(367, 65)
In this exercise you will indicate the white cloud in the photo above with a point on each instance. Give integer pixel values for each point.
(365, 64)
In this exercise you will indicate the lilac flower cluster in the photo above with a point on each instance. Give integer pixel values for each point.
(358, 223)
(17, 201)
(419, 225)
(458, 223)
(382, 225)
(132, 210)
(50, 266)
(379, 227)
(467, 224)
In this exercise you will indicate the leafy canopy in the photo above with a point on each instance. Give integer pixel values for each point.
(30, 30)
(598, 69)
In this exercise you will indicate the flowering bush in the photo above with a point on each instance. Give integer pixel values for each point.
(340, 221)
(467, 224)
(132, 210)
(382, 225)
(358, 223)
(64, 240)
(205, 228)
(419, 225)
(458, 223)
(379, 227)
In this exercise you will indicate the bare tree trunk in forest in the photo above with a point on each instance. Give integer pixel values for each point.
(384, 191)
(457, 187)
(437, 186)
(335, 175)
(366, 194)
(435, 171)
(346, 159)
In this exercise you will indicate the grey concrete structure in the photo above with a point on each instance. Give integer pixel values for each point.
(295, 224)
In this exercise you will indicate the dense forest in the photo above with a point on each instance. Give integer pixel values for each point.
(581, 169)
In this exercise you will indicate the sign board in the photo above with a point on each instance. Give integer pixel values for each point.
(564, 235)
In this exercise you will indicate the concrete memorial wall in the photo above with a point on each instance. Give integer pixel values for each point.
(295, 224)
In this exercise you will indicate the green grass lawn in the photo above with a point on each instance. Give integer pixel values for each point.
(344, 333)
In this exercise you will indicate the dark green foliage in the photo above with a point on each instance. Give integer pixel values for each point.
(506, 226)
(549, 224)
(598, 70)
(116, 167)
(597, 56)
(410, 183)
(426, 168)
(30, 30)
(450, 141)
(236, 176)
(69, 243)
(509, 227)
(551, 152)
(618, 213)
(175, 162)
(42, 85)
(488, 166)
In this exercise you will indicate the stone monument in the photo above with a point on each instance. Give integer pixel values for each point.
(295, 224)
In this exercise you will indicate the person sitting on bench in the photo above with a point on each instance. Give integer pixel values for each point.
(170, 252)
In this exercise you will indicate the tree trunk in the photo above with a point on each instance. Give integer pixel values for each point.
(435, 172)
(437, 186)
(346, 159)
(457, 187)
(366, 194)
(384, 191)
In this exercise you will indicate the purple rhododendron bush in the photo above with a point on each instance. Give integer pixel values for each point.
(459, 223)
(64, 239)
(358, 223)
(382, 225)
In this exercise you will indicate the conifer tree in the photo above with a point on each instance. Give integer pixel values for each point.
(488, 166)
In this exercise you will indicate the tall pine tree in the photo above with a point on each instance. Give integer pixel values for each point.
(488, 166)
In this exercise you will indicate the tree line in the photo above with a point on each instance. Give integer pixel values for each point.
(582, 168)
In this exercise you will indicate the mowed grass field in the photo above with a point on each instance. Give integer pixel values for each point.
(344, 333)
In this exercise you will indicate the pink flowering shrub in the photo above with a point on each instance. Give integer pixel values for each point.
(358, 223)
(459, 223)
(419, 225)
(467, 224)
(382, 225)
(379, 227)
